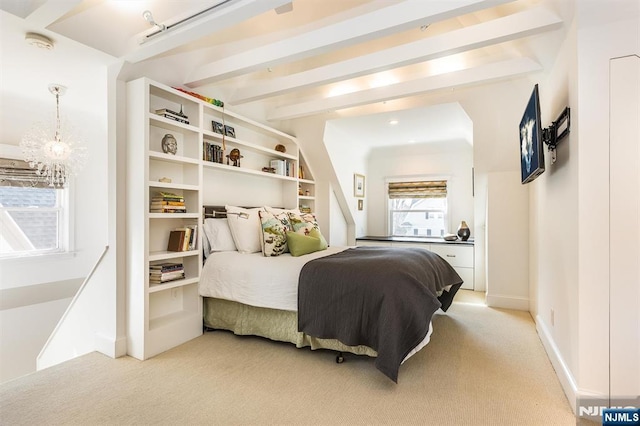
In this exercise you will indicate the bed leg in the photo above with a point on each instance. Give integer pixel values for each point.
(339, 358)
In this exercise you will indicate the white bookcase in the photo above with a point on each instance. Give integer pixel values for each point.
(162, 316)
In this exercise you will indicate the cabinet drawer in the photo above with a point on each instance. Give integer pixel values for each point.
(467, 276)
(456, 255)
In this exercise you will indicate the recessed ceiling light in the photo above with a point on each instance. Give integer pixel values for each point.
(38, 40)
(393, 122)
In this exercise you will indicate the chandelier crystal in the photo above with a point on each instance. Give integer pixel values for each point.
(53, 150)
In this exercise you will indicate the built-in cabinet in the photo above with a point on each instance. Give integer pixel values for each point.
(458, 255)
(208, 140)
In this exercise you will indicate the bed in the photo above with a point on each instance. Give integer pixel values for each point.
(323, 299)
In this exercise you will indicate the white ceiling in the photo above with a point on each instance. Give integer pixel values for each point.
(321, 55)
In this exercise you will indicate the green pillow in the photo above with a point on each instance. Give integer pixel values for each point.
(300, 244)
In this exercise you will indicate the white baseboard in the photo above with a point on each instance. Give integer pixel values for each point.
(507, 302)
(110, 347)
(567, 381)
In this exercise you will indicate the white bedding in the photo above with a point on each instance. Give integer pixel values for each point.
(256, 280)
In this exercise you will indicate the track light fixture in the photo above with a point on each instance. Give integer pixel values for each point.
(148, 16)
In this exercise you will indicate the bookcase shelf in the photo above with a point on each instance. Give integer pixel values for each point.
(233, 169)
(161, 316)
(167, 255)
(172, 284)
(169, 158)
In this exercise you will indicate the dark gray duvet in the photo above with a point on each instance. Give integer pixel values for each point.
(380, 297)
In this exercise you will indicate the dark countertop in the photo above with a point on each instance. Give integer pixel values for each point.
(426, 240)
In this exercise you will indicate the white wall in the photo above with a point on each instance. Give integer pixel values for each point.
(508, 228)
(451, 160)
(348, 155)
(554, 220)
(603, 33)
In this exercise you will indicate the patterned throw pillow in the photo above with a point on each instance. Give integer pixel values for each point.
(303, 223)
(274, 233)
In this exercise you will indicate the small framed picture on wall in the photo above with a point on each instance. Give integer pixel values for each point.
(358, 185)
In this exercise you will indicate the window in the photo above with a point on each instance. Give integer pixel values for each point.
(32, 214)
(418, 208)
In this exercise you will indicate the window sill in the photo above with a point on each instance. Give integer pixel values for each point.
(39, 257)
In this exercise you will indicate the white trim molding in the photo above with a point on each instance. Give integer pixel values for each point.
(507, 302)
(563, 372)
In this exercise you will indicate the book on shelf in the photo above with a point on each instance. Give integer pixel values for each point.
(183, 239)
(169, 111)
(167, 196)
(166, 267)
(212, 152)
(173, 115)
(167, 202)
(174, 118)
(278, 166)
(176, 240)
(283, 167)
(164, 207)
(163, 272)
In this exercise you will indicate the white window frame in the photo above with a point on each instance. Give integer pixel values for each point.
(65, 216)
(388, 221)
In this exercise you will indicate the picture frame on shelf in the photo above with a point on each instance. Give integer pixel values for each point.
(217, 127)
(358, 185)
(229, 131)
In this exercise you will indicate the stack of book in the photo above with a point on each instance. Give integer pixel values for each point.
(164, 272)
(183, 239)
(167, 202)
(212, 152)
(173, 115)
(282, 167)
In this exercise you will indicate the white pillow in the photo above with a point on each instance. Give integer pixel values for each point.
(218, 235)
(245, 228)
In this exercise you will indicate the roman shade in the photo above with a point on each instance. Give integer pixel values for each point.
(418, 189)
(18, 173)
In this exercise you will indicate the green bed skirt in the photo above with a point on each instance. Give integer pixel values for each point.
(269, 323)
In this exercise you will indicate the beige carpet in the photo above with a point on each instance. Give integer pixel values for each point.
(483, 367)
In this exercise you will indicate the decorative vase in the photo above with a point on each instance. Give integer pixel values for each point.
(463, 231)
(169, 144)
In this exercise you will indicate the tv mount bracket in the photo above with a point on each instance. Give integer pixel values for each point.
(554, 134)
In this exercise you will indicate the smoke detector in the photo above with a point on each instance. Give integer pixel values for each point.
(38, 40)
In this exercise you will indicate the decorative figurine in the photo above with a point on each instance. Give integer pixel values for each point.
(235, 157)
(169, 144)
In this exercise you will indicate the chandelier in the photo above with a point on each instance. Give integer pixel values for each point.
(53, 151)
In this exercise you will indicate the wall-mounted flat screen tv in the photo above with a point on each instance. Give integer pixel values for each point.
(531, 146)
